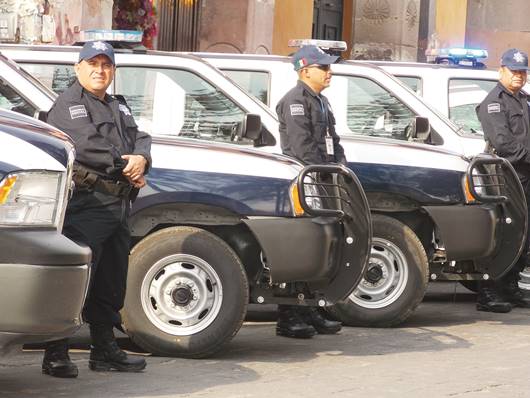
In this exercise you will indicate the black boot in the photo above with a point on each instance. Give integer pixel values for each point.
(488, 299)
(316, 318)
(105, 354)
(291, 324)
(56, 361)
(513, 294)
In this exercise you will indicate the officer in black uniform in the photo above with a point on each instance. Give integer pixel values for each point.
(307, 132)
(505, 121)
(112, 156)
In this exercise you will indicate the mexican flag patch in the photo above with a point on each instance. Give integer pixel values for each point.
(301, 63)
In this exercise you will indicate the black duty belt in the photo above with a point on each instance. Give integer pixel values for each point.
(115, 188)
(85, 179)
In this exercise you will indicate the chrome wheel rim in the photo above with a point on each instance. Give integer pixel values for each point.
(386, 277)
(181, 294)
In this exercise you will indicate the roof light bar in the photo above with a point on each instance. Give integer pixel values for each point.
(333, 45)
(457, 52)
(129, 36)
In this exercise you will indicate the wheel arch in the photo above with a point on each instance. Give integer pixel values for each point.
(220, 221)
(408, 211)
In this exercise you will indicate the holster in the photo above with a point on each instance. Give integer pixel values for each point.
(86, 179)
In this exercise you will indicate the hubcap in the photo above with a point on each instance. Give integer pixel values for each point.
(181, 294)
(374, 273)
(386, 277)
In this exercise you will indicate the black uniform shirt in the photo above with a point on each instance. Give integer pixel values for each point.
(304, 118)
(505, 121)
(102, 130)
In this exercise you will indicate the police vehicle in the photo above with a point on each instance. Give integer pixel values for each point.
(453, 91)
(220, 225)
(436, 214)
(43, 275)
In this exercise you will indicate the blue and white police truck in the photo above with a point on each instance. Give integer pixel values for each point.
(220, 225)
(43, 275)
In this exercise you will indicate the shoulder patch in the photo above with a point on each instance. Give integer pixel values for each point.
(297, 110)
(124, 109)
(494, 107)
(77, 111)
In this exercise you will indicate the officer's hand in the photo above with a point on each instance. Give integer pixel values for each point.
(138, 183)
(135, 166)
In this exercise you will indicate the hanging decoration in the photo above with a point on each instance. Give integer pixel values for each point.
(136, 15)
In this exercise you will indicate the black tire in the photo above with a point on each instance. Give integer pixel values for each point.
(470, 285)
(392, 297)
(198, 266)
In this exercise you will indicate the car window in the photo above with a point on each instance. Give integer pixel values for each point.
(370, 109)
(254, 82)
(412, 82)
(11, 100)
(464, 96)
(56, 77)
(180, 103)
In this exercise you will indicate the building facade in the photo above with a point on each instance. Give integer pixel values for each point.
(373, 29)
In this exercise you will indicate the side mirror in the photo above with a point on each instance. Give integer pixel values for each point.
(420, 129)
(251, 127)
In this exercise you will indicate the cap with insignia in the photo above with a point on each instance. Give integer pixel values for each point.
(515, 59)
(92, 49)
(312, 55)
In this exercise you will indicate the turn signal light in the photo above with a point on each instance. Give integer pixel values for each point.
(467, 192)
(295, 199)
(5, 187)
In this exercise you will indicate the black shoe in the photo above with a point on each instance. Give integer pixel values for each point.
(291, 324)
(105, 355)
(315, 317)
(489, 300)
(57, 362)
(514, 295)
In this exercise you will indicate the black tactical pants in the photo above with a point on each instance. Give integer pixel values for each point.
(100, 221)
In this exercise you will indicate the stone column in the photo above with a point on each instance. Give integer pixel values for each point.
(236, 26)
(386, 29)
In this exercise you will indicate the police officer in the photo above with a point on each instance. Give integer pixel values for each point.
(307, 132)
(112, 156)
(505, 121)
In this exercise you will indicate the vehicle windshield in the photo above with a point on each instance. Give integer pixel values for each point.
(453, 126)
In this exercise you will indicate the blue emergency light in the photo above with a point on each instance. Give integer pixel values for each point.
(457, 56)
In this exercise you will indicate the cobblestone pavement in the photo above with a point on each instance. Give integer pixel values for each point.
(447, 349)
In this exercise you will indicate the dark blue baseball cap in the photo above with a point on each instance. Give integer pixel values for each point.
(92, 49)
(312, 55)
(515, 59)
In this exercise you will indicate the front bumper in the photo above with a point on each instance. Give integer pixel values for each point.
(492, 231)
(43, 284)
(328, 250)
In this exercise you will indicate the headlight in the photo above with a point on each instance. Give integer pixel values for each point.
(33, 198)
(312, 196)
